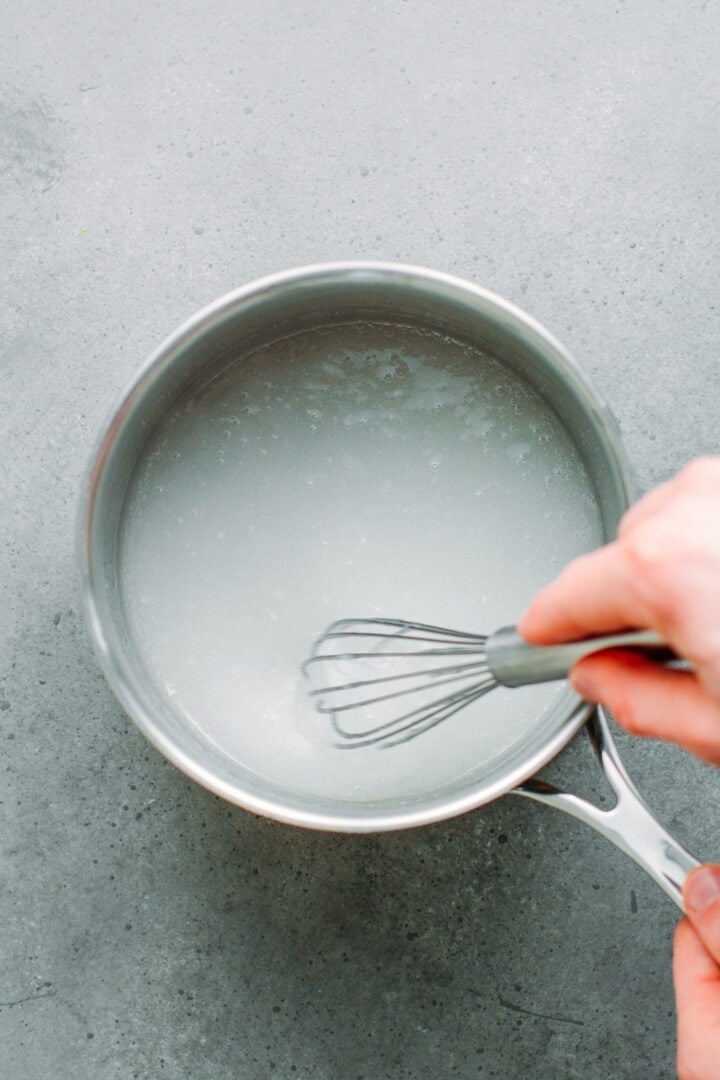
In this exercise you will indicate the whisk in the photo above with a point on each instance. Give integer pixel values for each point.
(385, 681)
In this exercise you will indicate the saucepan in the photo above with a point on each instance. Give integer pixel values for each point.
(350, 439)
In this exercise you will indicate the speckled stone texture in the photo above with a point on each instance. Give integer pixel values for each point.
(152, 156)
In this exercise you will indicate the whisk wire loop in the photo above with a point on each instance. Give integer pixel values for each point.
(403, 662)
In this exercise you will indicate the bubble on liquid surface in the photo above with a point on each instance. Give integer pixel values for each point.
(520, 452)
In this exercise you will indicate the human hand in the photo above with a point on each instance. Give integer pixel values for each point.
(696, 965)
(662, 573)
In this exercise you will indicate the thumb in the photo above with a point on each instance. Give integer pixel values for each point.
(701, 896)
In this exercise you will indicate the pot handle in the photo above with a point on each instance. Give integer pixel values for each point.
(629, 824)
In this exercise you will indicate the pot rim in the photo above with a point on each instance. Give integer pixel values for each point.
(358, 817)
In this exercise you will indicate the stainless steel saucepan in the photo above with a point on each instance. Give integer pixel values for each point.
(272, 310)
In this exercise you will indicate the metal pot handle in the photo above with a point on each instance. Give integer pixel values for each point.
(629, 824)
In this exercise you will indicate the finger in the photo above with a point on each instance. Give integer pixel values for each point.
(593, 595)
(647, 699)
(697, 995)
(701, 896)
(648, 506)
(694, 970)
(700, 475)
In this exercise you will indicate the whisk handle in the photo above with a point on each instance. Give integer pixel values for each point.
(515, 663)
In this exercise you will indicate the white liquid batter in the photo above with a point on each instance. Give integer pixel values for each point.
(355, 471)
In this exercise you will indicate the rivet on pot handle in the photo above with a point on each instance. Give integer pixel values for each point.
(629, 824)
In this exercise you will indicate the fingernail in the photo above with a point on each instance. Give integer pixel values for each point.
(701, 888)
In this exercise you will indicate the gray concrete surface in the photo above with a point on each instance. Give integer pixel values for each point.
(152, 156)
